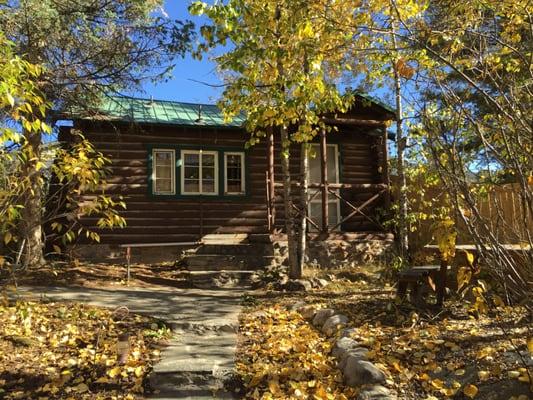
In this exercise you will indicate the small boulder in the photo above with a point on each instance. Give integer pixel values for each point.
(334, 323)
(296, 306)
(298, 285)
(358, 372)
(342, 346)
(322, 315)
(359, 353)
(375, 392)
(308, 312)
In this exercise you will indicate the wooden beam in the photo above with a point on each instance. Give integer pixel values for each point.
(324, 180)
(354, 122)
(385, 167)
(271, 180)
(335, 186)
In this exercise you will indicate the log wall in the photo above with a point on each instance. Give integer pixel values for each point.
(156, 219)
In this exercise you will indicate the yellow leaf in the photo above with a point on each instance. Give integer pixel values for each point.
(470, 391)
(469, 258)
(463, 277)
(81, 388)
(7, 237)
(138, 371)
(513, 374)
(10, 99)
(483, 375)
(530, 345)
(113, 372)
(498, 301)
(437, 384)
(57, 249)
(460, 372)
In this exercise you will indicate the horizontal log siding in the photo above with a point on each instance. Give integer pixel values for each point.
(156, 219)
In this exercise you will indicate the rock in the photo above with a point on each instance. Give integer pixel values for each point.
(319, 283)
(321, 316)
(359, 353)
(358, 372)
(297, 306)
(334, 323)
(376, 392)
(308, 312)
(298, 285)
(342, 346)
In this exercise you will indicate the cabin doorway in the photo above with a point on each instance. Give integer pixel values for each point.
(315, 205)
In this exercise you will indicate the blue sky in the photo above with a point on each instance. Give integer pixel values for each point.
(181, 86)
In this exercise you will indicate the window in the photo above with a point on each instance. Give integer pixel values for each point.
(163, 170)
(199, 172)
(234, 173)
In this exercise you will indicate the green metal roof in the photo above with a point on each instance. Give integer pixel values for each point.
(164, 112)
(150, 111)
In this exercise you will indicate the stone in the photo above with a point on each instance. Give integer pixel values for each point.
(359, 372)
(359, 352)
(297, 306)
(375, 392)
(308, 312)
(334, 323)
(342, 346)
(321, 316)
(319, 283)
(298, 285)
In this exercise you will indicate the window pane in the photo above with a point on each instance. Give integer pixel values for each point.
(208, 173)
(208, 186)
(163, 172)
(208, 160)
(233, 160)
(163, 185)
(192, 172)
(234, 186)
(191, 159)
(163, 158)
(192, 185)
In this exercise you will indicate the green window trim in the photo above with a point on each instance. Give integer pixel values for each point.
(221, 172)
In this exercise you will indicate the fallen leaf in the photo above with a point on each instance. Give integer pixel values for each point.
(470, 391)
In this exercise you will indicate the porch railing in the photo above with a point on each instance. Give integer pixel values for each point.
(315, 189)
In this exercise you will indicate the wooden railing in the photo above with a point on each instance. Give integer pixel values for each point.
(325, 189)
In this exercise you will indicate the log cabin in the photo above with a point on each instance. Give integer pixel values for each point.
(187, 176)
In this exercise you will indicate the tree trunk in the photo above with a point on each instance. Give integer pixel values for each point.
(304, 180)
(31, 213)
(401, 142)
(287, 202)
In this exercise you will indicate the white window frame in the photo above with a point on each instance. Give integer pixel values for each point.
(243, 176)
(200, 155)
(172, 172)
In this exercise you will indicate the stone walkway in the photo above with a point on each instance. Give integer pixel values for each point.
(200, 355)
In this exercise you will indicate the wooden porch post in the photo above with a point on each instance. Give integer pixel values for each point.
(324, 178)
(385, 168)
(271, 187)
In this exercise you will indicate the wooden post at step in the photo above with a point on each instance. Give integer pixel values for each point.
(385, 169)
(271, 181)
(324, 179)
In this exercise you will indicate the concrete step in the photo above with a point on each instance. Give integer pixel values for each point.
(225, 238)
(220, 279)
(200, 364)
(211, 262)
(234, 249)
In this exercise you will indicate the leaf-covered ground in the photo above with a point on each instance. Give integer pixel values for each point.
(69, 351)
(425, 354)
(281, 356)
(94, 275)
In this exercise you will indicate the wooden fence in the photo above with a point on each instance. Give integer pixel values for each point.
(501, 209)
